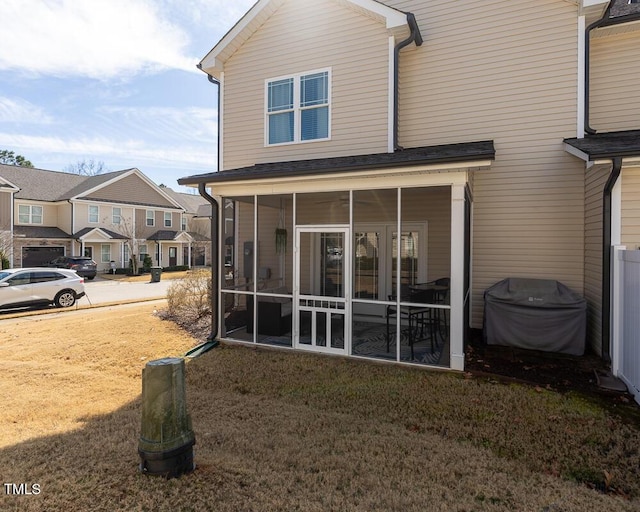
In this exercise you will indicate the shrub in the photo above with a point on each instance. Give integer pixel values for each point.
(189, 298)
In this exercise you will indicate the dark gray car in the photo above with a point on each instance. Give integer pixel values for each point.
(83, 265)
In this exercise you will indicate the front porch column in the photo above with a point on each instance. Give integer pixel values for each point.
(457, 278)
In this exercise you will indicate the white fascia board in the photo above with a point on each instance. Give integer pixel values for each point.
(576, 152)
(393, 17)
(213, 66)
(9, 186)
(593, 7)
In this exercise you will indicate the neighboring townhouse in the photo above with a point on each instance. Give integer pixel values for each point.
(396, 158)
(108, 217)
(196, 221)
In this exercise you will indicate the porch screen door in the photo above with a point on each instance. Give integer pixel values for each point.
(322, 289)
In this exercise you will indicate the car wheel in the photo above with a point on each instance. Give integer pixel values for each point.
(65, 299)
(90, 278)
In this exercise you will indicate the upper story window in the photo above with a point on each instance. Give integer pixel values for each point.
(29, 214)
(116, 215)
(183, 223)
(151, 218)
(297, 108)
(167, 219)
(94, 213)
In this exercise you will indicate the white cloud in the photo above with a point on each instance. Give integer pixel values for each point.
(21, 111)
(94, 38)
(110, 150)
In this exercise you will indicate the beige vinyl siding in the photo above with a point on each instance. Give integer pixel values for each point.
(105, 217)
(65, 217)
(505, 71)
(595, 180)
(131, 189)
(615, 104)
(5, 211)
(631, 207)
(302, 37)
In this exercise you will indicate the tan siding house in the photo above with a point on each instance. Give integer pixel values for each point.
(104, 217)
(391, 160)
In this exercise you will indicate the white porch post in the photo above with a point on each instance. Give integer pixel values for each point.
(456, 334)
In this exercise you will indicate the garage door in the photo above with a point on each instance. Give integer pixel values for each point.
(40, 256)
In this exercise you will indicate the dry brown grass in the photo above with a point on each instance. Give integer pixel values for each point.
(282, 430)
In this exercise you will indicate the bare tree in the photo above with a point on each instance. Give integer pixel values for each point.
(86, 168)
(127, 229)
(5, 249)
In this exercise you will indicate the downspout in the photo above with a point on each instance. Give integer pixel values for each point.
(605, 21)
(606, 257)
(416, 37)
(215, 214)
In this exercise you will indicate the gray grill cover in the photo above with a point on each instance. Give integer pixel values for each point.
(537, 314)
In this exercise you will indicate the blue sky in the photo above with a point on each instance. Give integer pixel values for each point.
(112, 81)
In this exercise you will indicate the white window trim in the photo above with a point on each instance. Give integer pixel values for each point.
(102, 254)
(89, 214)
(297, 129)
(170, 219)
(114, 215)
(31, 207)
(153, 218)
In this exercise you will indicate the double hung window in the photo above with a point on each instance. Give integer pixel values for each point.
(167, 219)
(94, 214)
(29, 214)
(297, 108)
(151, 218)
(116, 215)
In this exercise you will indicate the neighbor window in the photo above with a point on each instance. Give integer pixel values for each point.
(298, 108)
(29, 214)
(105, 251)
(143, 252)
(167, 219)
(116, 215)
(183, 221)
(94, 213)
(151, 218)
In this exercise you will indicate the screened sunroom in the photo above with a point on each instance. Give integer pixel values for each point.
(366, 262)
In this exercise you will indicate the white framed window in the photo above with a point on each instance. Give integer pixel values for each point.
(29, 214)
(116, 215)
(94, 214)
(151, 218)
(143, 251)
(183, 223)
(297, 108)
(167, 219)
(105, 252)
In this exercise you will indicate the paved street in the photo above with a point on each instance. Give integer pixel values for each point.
(100, 292)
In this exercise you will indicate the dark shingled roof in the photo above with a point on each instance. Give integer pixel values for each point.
(163, 234)
(39, 232)
(608, 145)
(112, 234)
(429, 155)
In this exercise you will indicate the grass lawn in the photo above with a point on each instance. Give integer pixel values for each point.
(281, 430)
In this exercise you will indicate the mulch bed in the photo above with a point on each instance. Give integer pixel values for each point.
(552, 371)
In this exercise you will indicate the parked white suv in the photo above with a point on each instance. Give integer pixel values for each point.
(21, 287)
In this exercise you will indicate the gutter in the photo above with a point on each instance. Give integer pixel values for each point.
(606, 257)
(416, 37)
(605, 21)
